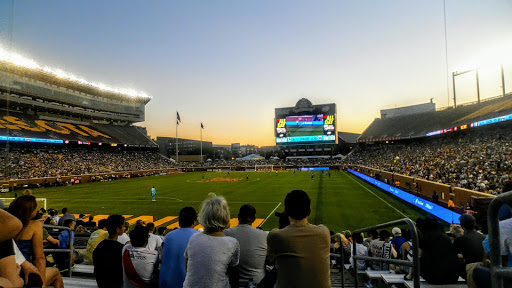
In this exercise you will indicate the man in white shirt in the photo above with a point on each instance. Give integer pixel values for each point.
(154, 241)
(123, 239)
(139, 263)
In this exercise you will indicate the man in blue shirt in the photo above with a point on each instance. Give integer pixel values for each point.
(153, 194)
(172, 272)
(64, 241)
(397, 240)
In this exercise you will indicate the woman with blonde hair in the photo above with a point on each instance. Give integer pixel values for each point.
(30, 239)
(211, 258)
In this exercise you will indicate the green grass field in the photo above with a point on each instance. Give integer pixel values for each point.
(341, 201)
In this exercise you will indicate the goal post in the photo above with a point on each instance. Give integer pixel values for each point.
(41, 202)
(263, 168)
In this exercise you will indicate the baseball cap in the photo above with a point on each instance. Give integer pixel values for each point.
(396, 231)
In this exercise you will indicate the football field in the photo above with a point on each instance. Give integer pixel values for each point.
(341, 201)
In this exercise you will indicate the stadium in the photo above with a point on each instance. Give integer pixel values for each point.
(418, 178)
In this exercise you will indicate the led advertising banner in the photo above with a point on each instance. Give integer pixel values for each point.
(472, 125)
(314, 169)
(425, 205)
(311, 125)
(37, 140)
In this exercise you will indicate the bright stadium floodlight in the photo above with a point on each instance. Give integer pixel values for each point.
(18, 60)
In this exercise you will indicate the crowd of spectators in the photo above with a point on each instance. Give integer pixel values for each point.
(213, 256)
(25, 163)
(479, 160)
(297, 254)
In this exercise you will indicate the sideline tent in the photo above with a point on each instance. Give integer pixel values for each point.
(251, 157)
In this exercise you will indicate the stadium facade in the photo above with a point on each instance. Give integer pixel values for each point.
(39, 105)
(186, 147)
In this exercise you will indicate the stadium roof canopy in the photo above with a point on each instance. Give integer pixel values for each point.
(17, 64)
(251, 157)
(437, 122)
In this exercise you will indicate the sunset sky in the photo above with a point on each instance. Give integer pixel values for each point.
(228, 64)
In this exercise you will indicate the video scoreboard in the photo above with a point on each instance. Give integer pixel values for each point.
(312, 125)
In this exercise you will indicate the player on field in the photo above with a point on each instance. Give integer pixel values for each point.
(153, 194)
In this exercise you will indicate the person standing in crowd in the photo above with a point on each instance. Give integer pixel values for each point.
(211, 258)
(301, 250)
(172, 272)
(451, 205)
(435, 198)
(107, 257)
(65, 216)
(253, 246)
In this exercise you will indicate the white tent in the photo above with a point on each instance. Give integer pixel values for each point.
(251, 157)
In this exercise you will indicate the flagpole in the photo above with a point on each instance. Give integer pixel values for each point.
(176, 137)
(201, 130)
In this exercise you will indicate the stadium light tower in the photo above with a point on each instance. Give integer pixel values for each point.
(502, 81)
(456, 73)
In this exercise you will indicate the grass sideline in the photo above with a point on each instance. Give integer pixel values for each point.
(341, 201)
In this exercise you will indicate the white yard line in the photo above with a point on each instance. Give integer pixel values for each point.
(351, 177)
(170, 198)
(270, 214)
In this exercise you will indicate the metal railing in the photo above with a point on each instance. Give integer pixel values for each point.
(415, 254)
(342, 266)
(498, 272)
(70, 245)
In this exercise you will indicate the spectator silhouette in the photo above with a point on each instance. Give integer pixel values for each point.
(301, 250)
(172, 272)
(253, 246)
(211, 257)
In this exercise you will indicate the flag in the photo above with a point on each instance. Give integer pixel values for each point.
(178, 120)
(202, 127)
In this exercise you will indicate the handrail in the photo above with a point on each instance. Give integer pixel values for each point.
(497, 271)
(341, 267)
(70, 249)
(415, 250)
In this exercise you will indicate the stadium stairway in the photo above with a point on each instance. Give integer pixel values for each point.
(336, 279)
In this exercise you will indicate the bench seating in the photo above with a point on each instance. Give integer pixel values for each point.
(423, 284)
(393, 278)
(374, 274)
(83, 269)
(79, 283)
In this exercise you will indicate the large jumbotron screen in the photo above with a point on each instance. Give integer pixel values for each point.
(312, 125)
